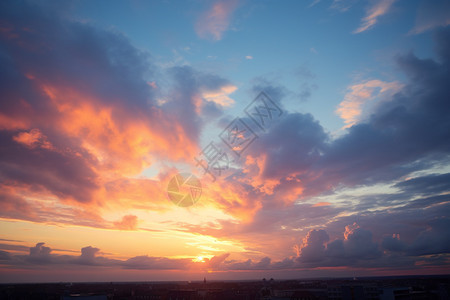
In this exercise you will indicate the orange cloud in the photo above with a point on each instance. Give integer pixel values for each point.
(121, 142)
(322, 204)
(285, 189)
(128, 222)
(232, 197)
(33, 139)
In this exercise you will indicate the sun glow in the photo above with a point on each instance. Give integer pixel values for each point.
(199, 259)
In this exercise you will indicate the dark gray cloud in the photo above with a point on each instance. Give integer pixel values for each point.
(426, 185)
(14, 247)
(63, 52)
(4, 255)
(313, 248)
(433, 240)
(67, 174)
(186, 100)
(40, 254)
(275, 91)
(88, 256)
(357, 246)
(293, 144)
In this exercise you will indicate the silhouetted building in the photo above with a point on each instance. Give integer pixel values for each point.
(396, 293)
(353, 292)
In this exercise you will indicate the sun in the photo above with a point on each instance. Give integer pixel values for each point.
(199, 259)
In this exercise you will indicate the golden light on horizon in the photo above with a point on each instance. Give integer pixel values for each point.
(199, 259)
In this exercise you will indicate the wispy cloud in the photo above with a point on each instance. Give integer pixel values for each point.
(215, 21)
(342, 5)
(379, 9)
(432, 14)
(313, 3)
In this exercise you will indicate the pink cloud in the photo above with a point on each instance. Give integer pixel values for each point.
(379, 9)
(215, 21)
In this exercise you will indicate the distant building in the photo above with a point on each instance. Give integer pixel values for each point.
(84, 297)
(353, 292)
(396, 293)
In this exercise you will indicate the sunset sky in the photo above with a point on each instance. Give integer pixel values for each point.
(102, 103)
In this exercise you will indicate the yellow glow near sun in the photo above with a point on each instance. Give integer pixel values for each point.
(199, 259)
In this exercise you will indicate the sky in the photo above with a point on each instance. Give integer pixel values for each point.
(177, 140)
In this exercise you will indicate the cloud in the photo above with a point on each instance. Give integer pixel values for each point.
(4, 255)
(431, 14)
(88, 255)
(289, 150)
(426, 185)
(275, 91)
(296, 160)
(380, 8)
(248, 57)
(431, 241)
(197, 97)
(215, 21)
(217, 260)
(313, 246)
(73, 140)
(85, 118)
(40, 253)
(33, 139)
(15, 206)
(406, 120)
(69, 174)
(358, 95)
(78, 135)
(313, 3)
(128, 222)
(342, 5)
(393, 243)
(220, 97)
(155, 263)
(356, 247)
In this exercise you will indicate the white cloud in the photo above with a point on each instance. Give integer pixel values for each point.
(355, 104)
(220, 96)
